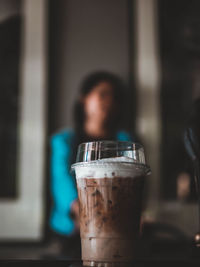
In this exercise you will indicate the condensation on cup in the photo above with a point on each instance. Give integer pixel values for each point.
(110, 178)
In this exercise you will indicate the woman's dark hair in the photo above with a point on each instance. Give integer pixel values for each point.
(88, 85)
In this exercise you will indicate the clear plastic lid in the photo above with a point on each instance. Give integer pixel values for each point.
(107, 151)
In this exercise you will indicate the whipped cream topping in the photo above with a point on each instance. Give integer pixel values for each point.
(109, 168)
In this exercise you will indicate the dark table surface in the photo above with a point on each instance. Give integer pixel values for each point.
(72, 263)
(154, 254)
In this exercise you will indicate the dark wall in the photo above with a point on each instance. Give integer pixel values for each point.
(180, 57)
(10, 41)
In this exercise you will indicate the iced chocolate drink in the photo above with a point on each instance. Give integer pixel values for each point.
(110, 197)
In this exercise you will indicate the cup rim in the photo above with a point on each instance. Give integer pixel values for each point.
(125, 143)
(99, 153)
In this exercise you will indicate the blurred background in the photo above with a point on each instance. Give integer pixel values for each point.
(46, 49)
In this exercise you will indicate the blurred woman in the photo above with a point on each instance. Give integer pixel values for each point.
(98, 116)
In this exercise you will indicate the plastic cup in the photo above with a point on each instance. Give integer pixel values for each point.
(110, 178)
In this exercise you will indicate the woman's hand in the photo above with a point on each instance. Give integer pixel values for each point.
(75, 214)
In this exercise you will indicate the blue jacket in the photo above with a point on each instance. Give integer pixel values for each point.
(63, 186)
